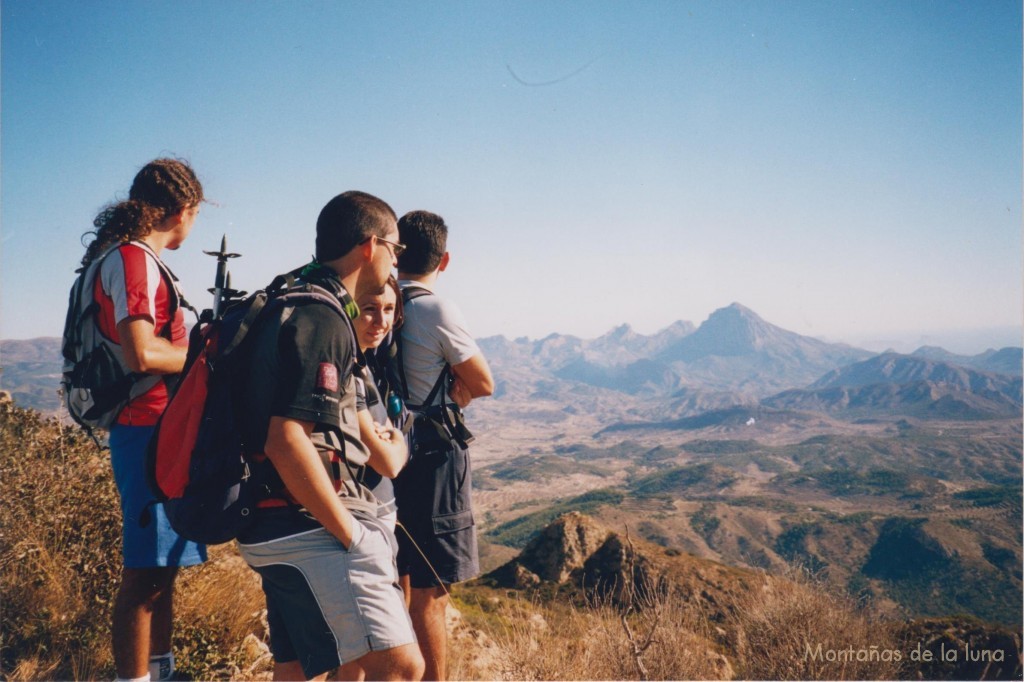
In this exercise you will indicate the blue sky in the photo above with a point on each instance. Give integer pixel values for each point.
(848, 170)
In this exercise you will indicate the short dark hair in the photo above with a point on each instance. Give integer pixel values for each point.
(347, 220)
(426, 238)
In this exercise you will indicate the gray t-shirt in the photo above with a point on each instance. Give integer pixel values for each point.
(434, 332)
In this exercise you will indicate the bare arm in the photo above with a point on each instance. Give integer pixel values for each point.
(472, 380)
(388, 451)
(296, 460)
(146, 352)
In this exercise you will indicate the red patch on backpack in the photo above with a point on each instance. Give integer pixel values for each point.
(327, 377)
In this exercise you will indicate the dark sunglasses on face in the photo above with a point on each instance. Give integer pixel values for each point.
(396, 248)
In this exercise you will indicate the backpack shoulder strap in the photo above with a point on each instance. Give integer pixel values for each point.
(177, 297)
(314, 293)
(281, 292)
(411, 293)
(254, 304)
(82, 307)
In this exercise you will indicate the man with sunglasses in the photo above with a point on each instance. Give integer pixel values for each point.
(325, 558)
(441, 369)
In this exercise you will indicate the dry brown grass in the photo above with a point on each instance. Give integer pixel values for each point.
(59, 550)
(221, 629)
(788, 627)
(649, 634)
(796, 629)
(60, 566)
(538, 642)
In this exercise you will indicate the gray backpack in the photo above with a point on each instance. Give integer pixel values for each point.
(97, 383)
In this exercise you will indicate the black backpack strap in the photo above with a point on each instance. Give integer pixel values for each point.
(440, 387)
(399, 365)
(286, 281)
(413, 291)
(259, 302)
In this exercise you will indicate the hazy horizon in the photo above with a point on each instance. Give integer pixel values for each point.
(959, 341)
(849, 172)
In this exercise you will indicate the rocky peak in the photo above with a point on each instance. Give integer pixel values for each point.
(677, 329)
(730, 331)
(740, 325)
(623, 331)
(563, 547)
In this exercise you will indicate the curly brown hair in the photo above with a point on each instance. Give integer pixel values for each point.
(162, 188)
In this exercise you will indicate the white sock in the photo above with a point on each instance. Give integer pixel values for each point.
(144, 678)
(161, 667)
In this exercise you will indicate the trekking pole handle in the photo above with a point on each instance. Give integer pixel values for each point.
(222, 291)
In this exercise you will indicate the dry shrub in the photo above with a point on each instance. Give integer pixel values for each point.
(220, 619)
(796, 629)
(592, 642)
(660, 637)
(60, 539)
(472, 654)
(536, 643)
(60, 567)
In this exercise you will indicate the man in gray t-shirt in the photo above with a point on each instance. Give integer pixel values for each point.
(433, 334)
(443, 371)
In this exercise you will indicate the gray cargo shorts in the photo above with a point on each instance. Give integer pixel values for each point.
(327, 605)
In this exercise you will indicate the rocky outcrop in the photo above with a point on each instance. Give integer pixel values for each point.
(578, 552)
(559, 550)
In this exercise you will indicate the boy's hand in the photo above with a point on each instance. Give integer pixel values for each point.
(459, 393)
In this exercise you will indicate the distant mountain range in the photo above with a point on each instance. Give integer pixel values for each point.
(734, 358)
(30, 371)
(1003, 361)
(910, 385)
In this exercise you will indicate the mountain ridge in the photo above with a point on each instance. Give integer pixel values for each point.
(732, 358)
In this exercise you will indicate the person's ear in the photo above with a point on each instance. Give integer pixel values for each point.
(367, 248)
(444, 262)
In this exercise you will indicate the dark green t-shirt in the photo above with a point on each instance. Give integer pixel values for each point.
(300, 367)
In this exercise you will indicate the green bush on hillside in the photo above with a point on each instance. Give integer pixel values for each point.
(993, 496)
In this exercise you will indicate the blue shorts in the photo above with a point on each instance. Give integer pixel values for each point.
(156, 545)
(328, 605)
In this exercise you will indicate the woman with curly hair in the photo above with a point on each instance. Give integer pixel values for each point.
(139, 308)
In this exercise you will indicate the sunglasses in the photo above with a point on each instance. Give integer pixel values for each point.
(396, 248)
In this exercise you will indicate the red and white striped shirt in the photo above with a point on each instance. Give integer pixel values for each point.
(130, 284)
